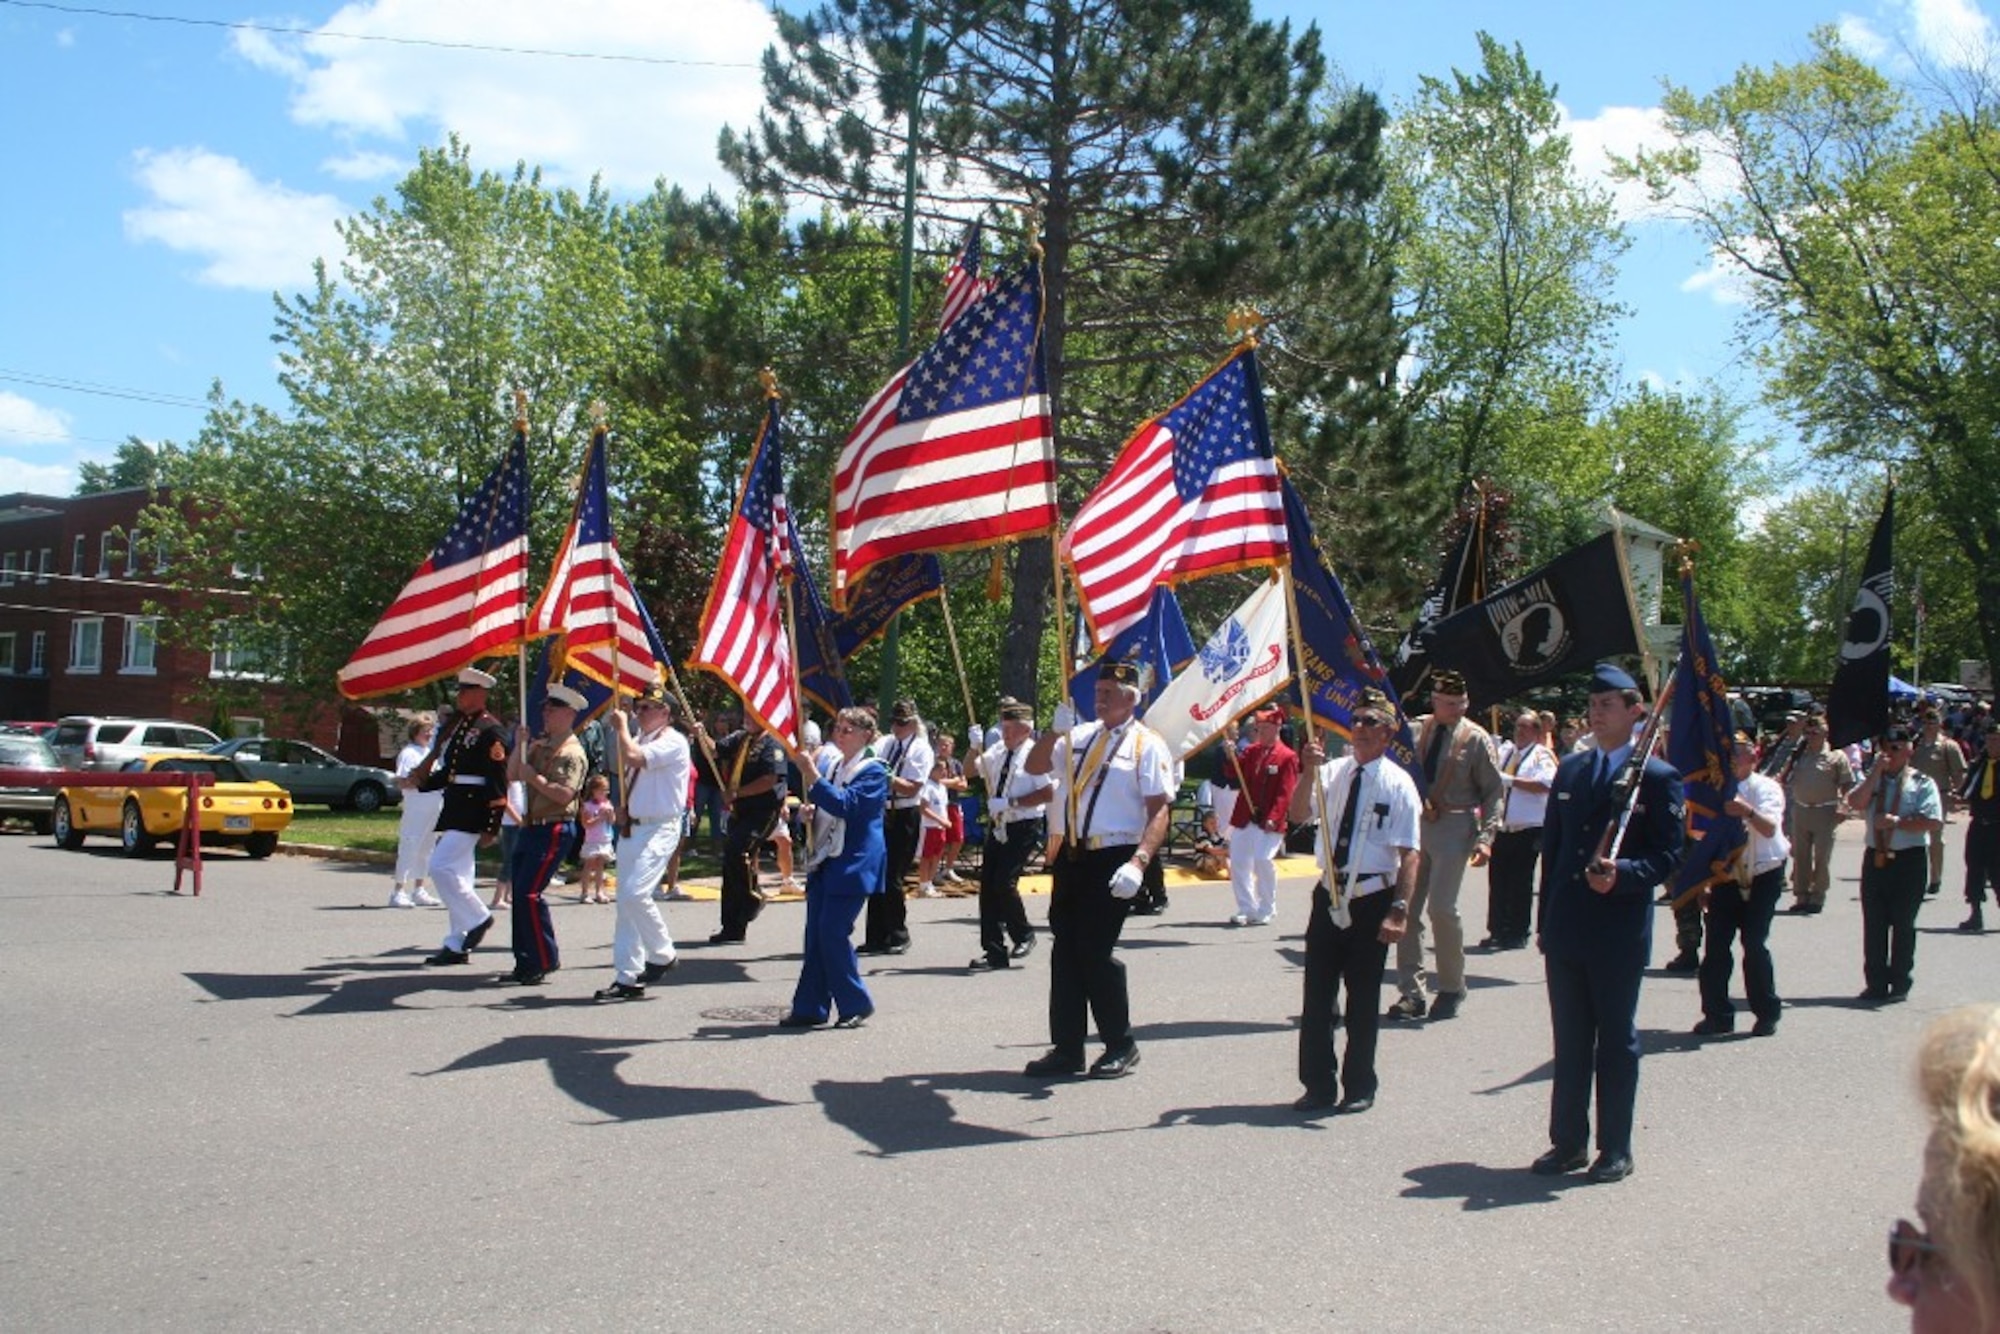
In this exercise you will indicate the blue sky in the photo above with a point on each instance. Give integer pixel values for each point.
(170, 176)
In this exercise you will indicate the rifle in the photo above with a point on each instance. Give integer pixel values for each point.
(1625, 785)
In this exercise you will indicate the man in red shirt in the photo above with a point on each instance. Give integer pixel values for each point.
(1270, 770)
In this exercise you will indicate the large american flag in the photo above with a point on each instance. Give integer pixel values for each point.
(1195, 491)
(957, 450)
(743, 637)
(469, 600)
(589, 600)
(962, 283)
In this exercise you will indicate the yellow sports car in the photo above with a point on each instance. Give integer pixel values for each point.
(234, 810)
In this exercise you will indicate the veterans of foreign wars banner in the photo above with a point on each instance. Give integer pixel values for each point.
(1559, 619)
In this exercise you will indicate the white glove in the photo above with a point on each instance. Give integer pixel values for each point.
(1125, 881)
(1064, 719)
(998, 807)
(975, 739)
(999, 832)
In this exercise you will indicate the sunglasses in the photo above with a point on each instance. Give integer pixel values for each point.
(1911, 1248)
(1370, 720)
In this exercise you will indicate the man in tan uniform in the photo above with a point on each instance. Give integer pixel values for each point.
(1818, 781)
(1939, 757)
(1463, 801)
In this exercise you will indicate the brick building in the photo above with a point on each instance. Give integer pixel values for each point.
(76, 635)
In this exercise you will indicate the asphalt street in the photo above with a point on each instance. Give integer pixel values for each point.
(256, 1110)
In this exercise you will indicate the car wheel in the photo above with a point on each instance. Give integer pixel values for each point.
(261, 846)
(132, 835)
(367, 797)
(66, 832)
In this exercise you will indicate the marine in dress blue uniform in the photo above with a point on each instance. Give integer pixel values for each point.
(846, 864)
(1595, 929)
(469, 766)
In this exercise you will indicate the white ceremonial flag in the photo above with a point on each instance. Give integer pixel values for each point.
(1243, 664)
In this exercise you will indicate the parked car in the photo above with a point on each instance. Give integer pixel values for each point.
(312, 775)
(32, 729)
(236, 809)
(109, 744)
(33, 804)
(1772, 703)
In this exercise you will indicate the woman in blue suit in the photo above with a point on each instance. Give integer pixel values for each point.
(845, 865)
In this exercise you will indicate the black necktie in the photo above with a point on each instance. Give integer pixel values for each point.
(1603, 772)
(999, 792)
(1433, 753)
(1344, 836)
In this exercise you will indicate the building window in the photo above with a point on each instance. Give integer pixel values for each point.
(86, 644)
(48, 565)
(76, 556)
(7, 568)
(239, 570)
(160, 556)
(38, 654)
(6, 653)
(132, 556)
(142, 644)
(235, 659)
(107, 547)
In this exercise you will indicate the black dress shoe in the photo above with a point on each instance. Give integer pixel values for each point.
(446, 958)
(621, 991)
(1764, 1027)
(1797, 907)
(1710, 1028)
(477, 934)
(727, 938)
(1559, 1160)
(1610, 1167)
(1447, 1004)
(989, 963)
(1813, 909)
(800, 1021)
(1310, 1101)
(1409, 1009)
(852, 1020)
(1116, 1064)
(1687, 961)
(517, 978)
(903, 948)
(1022, 948)
(865, 949)
(1053, 1065)
(1975, 922)
(1897, 995)
(653, 972)
(1355, 1106)
(1874, 995)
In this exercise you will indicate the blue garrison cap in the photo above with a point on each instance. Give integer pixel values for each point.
(1609, 676)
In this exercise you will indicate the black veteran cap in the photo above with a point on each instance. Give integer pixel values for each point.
(1445, 681)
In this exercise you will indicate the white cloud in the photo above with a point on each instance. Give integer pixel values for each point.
(364, 166)
(630, 122)
(23, 419)
(41, 479)
(1951, 32)
(251, 233)
(1864, 39)
(1724, 280)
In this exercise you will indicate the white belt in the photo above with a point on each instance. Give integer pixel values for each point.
(908, 805)
(1519, 828)
(1356, 881)
(1011, 818)
(1099, 842)
(1765, 868)
(468, 780)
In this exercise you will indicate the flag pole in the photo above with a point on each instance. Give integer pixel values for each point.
(769, 379)
(951, 634)
(521, 648)
(1646, 663)
(600, 416)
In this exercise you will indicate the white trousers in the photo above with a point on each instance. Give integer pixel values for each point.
(451, 875)
(641, 936)
(416, 836)
(1253, 869)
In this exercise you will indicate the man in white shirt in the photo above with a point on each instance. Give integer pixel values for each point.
(1369, 817)
(1527, 767)
(1117, 784)
(1746, 903)
(657, 765)
(1015, 801)
(909, 758)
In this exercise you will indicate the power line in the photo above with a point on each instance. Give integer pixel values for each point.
(374, 37)
(100, 390)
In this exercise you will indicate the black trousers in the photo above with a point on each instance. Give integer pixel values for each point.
(1355, 957)
(1731, 914)
(748, 828)
(1890, 897)
(888, 912)
(1002, 915)
(1982, 859)
(1086, 978)
(1510, 885)
(1593, 1015)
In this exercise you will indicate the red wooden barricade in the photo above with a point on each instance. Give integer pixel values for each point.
(187, 850)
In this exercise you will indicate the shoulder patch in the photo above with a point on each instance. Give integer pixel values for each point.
(497, 752)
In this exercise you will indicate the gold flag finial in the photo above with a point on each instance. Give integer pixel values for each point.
(520, 408)
(1245, 323)
(769, 379)
(1685, 550)
(600, 413)
(1031, 223)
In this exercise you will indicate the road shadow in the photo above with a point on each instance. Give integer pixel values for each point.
(1652, 1042)
(329, 994)
(1480, 1188)
(1261, 1115)
(1831, 1003)
(587, 1069)
(906, 1114)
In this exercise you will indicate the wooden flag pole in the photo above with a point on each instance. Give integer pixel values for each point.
(600, 417)
(951, 634)
(769, 379)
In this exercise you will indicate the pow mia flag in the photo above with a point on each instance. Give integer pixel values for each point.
(1558, 619)
(1858, 705)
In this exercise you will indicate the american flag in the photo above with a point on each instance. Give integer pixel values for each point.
(469, 600)
(743, 637)
(957, 450)
(962, 283)
(590, 602)
(1195, 491)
